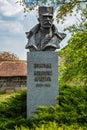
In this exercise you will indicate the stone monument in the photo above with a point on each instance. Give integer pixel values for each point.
(42, 61)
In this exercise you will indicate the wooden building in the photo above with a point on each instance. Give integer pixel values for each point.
(13, 75)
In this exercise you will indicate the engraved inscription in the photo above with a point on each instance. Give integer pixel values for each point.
(42, 79)
(42, 85)
(42, 66)
(42, 75)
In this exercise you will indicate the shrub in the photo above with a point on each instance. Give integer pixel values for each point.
(53, 126)
(71, 111)
(15, 106)
(72, 108)
(13, 111)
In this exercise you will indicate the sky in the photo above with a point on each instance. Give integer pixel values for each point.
(14, 24)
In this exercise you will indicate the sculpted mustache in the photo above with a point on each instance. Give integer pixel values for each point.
(47, 22)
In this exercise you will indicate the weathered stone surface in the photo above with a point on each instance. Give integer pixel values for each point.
(42, 79)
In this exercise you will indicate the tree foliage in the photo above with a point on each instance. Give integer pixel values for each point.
(75, 58)
(6, 56)
(80, 24)
(65, 7)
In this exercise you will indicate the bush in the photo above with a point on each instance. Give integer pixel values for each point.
(13, 111)
(71, 111)
(15, 106)
(72, 108)
(53, 126)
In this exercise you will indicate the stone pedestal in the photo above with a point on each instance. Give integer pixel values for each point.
(42, 79)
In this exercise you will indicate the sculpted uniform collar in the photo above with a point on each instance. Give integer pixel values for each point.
(37, 27)
(54, 42)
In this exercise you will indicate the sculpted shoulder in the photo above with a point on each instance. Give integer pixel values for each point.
(32, 31)
(59, 35)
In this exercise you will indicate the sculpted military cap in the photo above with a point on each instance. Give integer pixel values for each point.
(46, 11)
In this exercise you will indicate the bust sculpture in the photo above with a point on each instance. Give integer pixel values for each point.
(44, 36)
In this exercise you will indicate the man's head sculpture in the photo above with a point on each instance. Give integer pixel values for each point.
(44, 36)
(45, 16)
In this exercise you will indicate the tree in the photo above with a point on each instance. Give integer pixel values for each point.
(65, 6)
(75, 58)
(7, 56)
(80, 25)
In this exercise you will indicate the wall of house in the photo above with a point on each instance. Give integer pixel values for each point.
(12, 82)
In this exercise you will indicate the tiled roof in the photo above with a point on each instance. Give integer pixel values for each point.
(13, 68)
